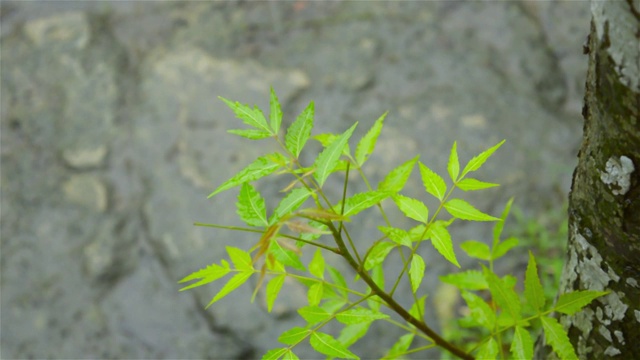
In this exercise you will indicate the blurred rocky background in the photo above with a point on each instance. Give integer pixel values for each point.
(112, 137)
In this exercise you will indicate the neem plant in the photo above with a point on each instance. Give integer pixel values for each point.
(499, 314)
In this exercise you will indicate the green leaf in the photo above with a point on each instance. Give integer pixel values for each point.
(470, 279)
(261, 167)
(504, 247)
(360, 315)
(453, 167)
(432, 182)
(418, 233)
(503, 294)
(285, 256)
(313, 314)
(368, 142)
(477, 161)
(325, 139)
(461, 209)
(395, 180)
(275, 354)
(289, 355)
(497, 228)
(252, 117)
(338, 280)
(333, 305)
(276, 112)
(251, 208)
(416, 272)
(360, 202)
(533, 291)
(294, 199)
(240, 259)
(476, 249)
(252, 134)
(377, 275)
(352, 333)
(328, 158)
(299, 132)
(377, 254)
(556, 336)
(398, 236)
(417, 309)
(412, 208)
(316, 266)
(209, 274)
(522, 345)
(327, 345)
(441, 240)
(400, 347)
(480, 312)
(571, 303)
(488, 350)
(470, 184)
(294, 335)
(314, 295)
(232, 284)
(273, 289)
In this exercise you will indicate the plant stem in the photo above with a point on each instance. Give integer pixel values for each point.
(397, 308)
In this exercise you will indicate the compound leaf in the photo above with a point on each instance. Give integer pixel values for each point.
(441, 240)
(261, 167)
(572, 302)
(209, 274)
(240, 259)
(368, 141)
(233, 283)
(299, 131)
(251, 208)
(433, 183)
(416, 272)
(327, 345)
(412, 208)
(556, 336)
(461, 209)
(476, 162)
(395, 180)
(328, 158)
(252, 117)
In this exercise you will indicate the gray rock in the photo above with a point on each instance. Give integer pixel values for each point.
(86, 190)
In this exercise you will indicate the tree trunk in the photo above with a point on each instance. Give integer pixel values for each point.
(604, 203)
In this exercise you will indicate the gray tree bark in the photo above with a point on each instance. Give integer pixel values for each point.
(604, 203)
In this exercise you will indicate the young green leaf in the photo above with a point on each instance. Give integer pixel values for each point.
(325, 139)
(352, 333)
(316, 266)
(289, 355)
(261, 167)
(488, 350)
(453, 167)
(416, 272)
(480, 312)
(240, 259)
(470, 184)
(417, 309)
(313, 314)
(497, 228)
(251, 134)
(412, 208)
(211, 273)
(398, 236)
(571, 303)
(503, 294)
(232, 284)
(338, 280)
(441, 240)
(556, 336)
(395, 180)
(299, 132)
(252, 117)
(377, 254)
(275, 354)
(470, 279)
(368, 142)
(533, 291)
(432, 182)
(327, 345)
(522, 345)
(289, 204)
(461, 209)
(377, 274)
(294, 336)
(276, 113)
(273, 289)
(360, 315)
(285, 256)
(251, 208)
(504, 247)
(314, 295)
(476, 249)
(328, 158)
(418, 233)
(400, 347)
(361, 201)
(477, 161)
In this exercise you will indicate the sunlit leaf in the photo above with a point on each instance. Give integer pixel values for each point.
(441, 240)
(316, 266)
(313, 314)
(395, 180)
(400, 347)
(571, 303)
(480, 311)
(211, 273)
(314, 295)
(361, 201)
(327, 345)
(261, 167)
(533, 291)
(290, 355)
(368, 142)
(338, 280)
(453, 166)
(275, 116)
(503, 247)
(476, 162)
(398, 236)
(251, 207)
(299, 131)
(240, 258)
(294, 335)
(412, 208)
(290, 203)
(556, 336)
(352, 333)
(433, 183)
(377, 254)
(328, 158)
(488, 350)
(360, 315)
(252, 117)
(417, 309)
(522, 345)
(497, 228)
(470, 280)
(252, 134)
(286, 256)
(275, 354)
(463, 210)
(470, 184)
(273, 289)
(232, 284)
(416, 272)
(476, 249)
